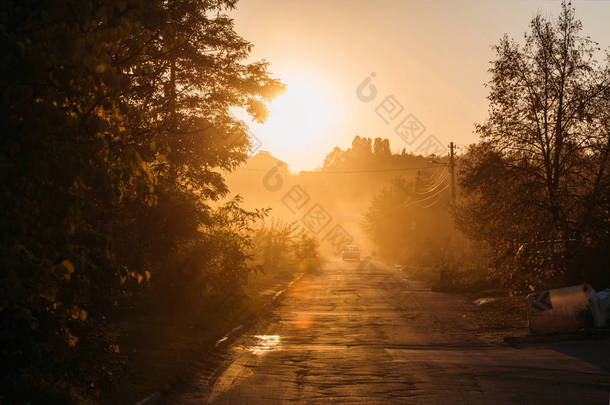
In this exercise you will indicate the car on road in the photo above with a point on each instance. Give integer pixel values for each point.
(351, 252)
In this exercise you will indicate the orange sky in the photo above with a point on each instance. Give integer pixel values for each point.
(432, 56)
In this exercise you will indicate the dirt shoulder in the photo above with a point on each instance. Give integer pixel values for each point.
(497, 316)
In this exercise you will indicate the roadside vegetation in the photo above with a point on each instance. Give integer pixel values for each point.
(536, 189)
(116, 129)
(165, 346)
(280, 245)
(532, 207)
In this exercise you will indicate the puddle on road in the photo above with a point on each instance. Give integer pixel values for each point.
(484, 301)
(264, 344)
(241, 368)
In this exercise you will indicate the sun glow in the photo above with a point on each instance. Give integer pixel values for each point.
(299, 121)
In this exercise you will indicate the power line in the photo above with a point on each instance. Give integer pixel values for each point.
(346, 171)
(440, 174)
(432, 183)
(439, 192)
(433, 203)
(436, 184)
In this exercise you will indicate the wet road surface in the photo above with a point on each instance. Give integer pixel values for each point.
(364, 333)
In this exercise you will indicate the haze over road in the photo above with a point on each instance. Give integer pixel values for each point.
(364, 333)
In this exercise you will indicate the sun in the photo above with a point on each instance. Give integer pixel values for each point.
(303, 109)
(300, 120)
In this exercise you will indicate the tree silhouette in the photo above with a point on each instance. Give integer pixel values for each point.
(541, 171)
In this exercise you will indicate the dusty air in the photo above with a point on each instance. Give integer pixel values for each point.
(305, 202)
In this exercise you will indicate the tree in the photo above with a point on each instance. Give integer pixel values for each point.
(115, 124)
(541, 170)
(409, 220)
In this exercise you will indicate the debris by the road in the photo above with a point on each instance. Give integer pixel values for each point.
(559, 310)
(600, 303)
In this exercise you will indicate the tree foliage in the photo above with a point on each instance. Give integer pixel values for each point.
(366, 153)
(279, 245)
(115, 123)
(409, 220)
(540, 172)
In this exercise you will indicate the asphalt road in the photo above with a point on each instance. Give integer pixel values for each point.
(364, 333)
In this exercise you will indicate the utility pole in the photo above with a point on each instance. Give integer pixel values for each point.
(452, 170)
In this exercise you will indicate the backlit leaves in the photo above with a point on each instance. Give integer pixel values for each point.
(108, 163)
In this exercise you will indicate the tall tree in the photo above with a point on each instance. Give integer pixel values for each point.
(541, 171)
(115, 124)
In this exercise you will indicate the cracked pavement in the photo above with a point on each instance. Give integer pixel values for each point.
(364, 333)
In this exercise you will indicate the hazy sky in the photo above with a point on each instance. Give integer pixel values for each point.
(431, 55)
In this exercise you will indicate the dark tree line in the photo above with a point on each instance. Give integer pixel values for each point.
(115, 124)
(366, 154)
